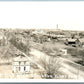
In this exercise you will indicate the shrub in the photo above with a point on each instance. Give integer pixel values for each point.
(51, 66)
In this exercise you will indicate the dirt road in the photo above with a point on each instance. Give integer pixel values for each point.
(69, 68)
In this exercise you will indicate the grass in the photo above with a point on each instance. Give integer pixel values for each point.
(6, 71)
(48, 47)
(75, 54)
(51, 66)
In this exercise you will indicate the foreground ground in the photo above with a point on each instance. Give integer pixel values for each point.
(68, 69)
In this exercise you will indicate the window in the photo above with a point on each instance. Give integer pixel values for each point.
(72, 42)
(19, 62)
(24, 68)
(17, 69)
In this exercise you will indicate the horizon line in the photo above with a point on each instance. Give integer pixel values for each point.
(43, 29)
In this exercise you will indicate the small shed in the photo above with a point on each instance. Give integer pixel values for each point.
(21, 64)
(63, 51)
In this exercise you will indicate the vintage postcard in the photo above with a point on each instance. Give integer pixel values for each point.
(42, 40)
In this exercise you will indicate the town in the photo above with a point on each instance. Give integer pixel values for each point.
(41, 54)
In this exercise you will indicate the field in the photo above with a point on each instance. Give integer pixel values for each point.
(43, 54)
(73, 53)
(6, 70)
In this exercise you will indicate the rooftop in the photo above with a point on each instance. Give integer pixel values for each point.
(72, 40)
(20, 58)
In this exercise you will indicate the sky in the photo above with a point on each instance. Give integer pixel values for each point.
(68, 15)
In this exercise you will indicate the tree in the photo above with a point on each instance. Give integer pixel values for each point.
(27, 39)
(18, 43)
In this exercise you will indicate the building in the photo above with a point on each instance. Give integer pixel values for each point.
(63, 51)
(37, 32)
(58, 36)
(71, 41)
(21, 64)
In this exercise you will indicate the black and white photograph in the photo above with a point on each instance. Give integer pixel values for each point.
(42, 40)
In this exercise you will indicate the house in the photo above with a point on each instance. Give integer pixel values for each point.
(58, 37)
(21, 64)
(36, 32)
(71, 41)
(63, 51)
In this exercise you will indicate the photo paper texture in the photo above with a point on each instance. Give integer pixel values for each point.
(41, 40)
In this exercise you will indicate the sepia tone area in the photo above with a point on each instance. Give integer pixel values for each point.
(41, 54)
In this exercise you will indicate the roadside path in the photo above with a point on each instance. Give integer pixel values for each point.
(68, 67)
